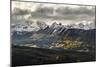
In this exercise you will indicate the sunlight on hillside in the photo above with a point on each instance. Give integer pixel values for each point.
(68, 43)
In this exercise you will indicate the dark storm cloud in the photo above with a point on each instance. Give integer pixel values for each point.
(76, 11)
(44, 10)
(18, 11)
(54, 11)
(22, 11)
(62, 13)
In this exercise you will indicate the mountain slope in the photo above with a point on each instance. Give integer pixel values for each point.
(22, 56)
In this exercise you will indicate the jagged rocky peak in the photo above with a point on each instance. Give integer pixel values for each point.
(41, 24)
(55, 25)
(81, 25)
(60, 23)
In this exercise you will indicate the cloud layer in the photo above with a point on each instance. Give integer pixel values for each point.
(57, 12)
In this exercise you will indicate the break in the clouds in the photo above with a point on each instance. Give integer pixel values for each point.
(63, 13)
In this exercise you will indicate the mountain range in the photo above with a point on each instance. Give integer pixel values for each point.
(37, 25)
(39, 34)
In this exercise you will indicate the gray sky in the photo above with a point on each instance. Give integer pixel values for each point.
(66, 14)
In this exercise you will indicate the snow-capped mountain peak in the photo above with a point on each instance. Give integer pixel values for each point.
(29, 26)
